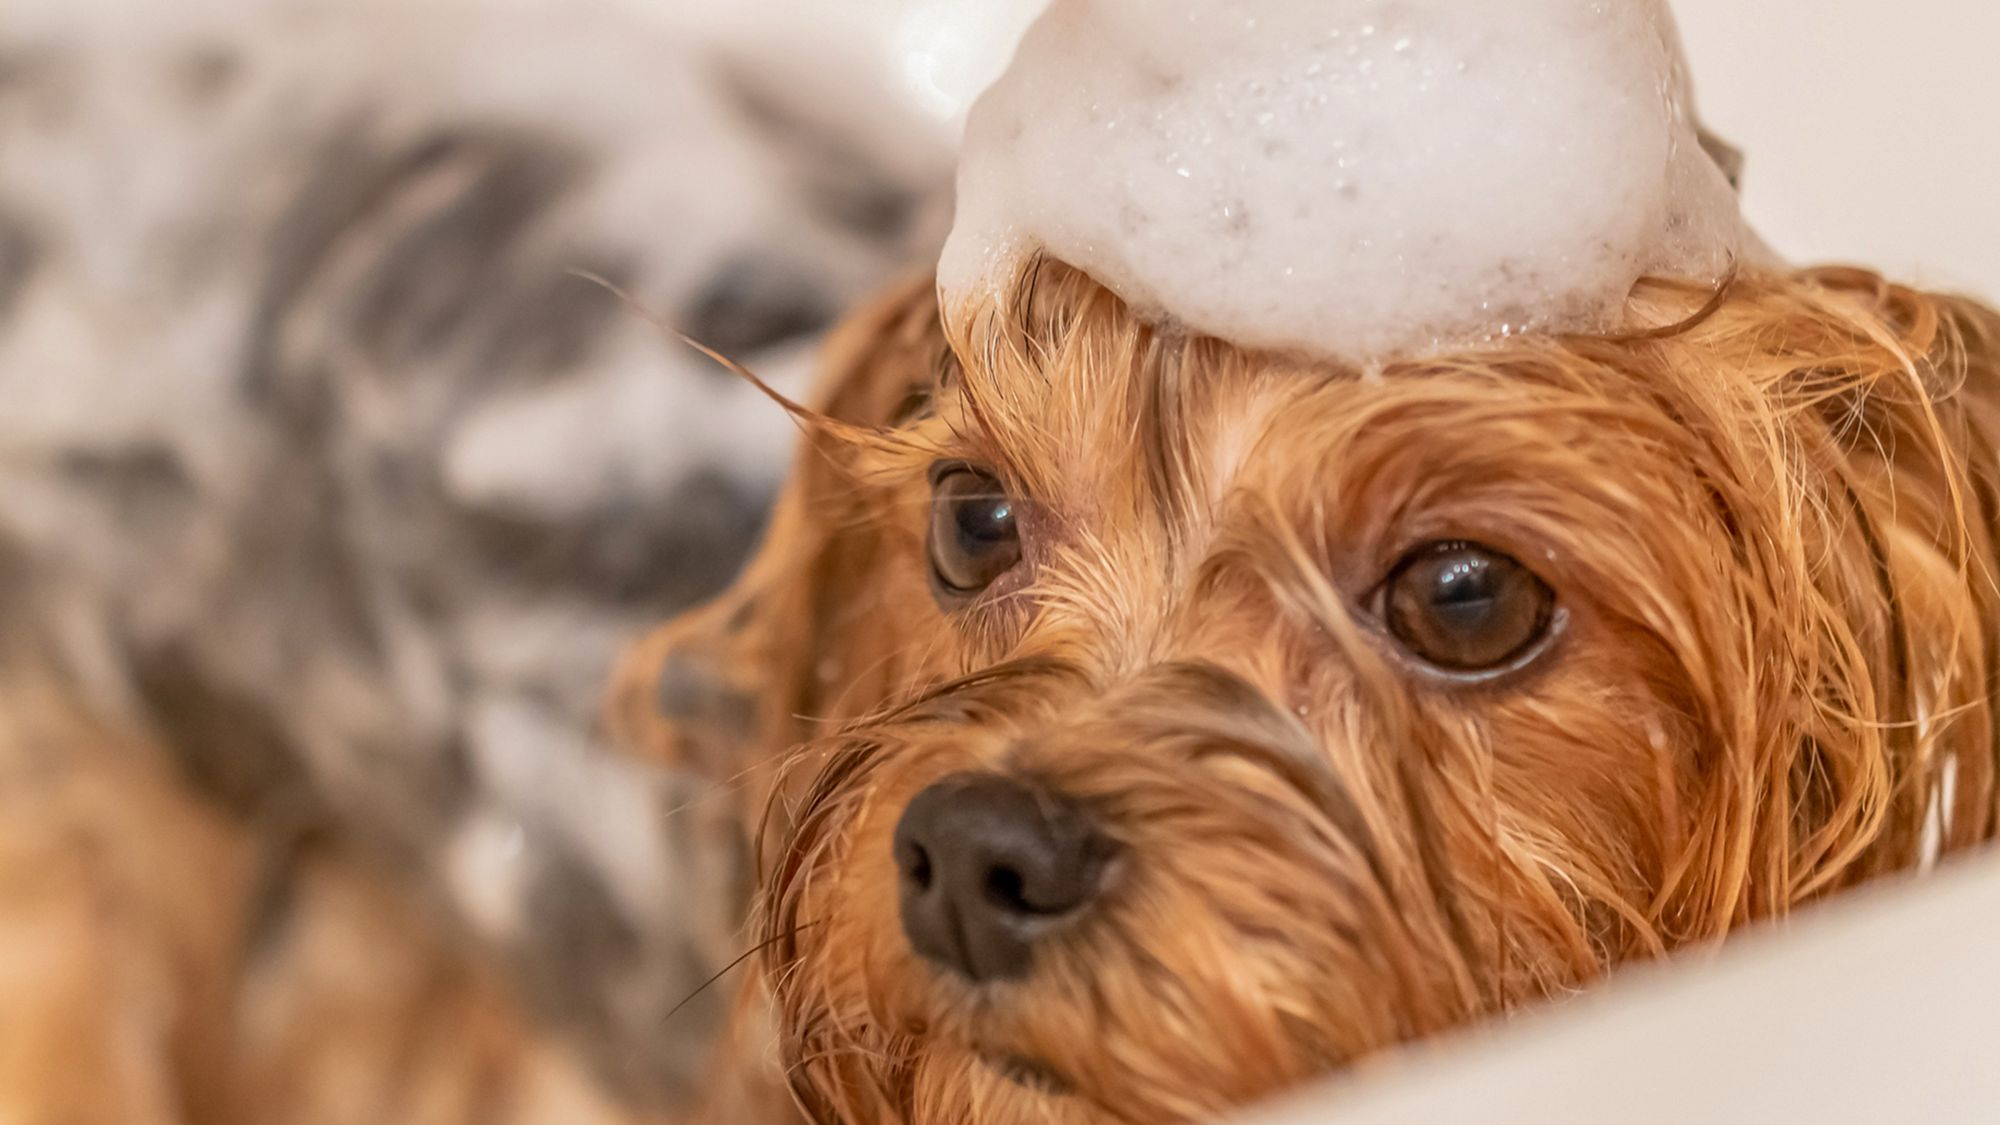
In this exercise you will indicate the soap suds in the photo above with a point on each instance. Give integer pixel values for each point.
(1354, 178)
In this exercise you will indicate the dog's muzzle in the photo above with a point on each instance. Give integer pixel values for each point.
(990, 866)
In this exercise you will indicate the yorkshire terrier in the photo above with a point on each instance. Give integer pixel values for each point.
(1132, 725)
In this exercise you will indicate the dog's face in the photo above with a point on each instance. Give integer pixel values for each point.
(1192, 722)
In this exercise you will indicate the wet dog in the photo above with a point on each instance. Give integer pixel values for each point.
(1133, 725)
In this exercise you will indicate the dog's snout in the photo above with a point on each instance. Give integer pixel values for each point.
(990, 866)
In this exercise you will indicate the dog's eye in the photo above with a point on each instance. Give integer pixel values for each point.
(1466, 608)
(974, 539)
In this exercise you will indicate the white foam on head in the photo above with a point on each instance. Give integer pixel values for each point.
(1355, 178)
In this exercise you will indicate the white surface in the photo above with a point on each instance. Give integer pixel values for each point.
(1872, 128)
(1352, 177)
(930, 57)
(1882, 1007)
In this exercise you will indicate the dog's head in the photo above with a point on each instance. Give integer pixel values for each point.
(1174, 722)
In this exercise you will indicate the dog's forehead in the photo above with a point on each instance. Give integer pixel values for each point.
(1073, 432)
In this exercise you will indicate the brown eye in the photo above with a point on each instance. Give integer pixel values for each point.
(974, 539)
(1466, 608)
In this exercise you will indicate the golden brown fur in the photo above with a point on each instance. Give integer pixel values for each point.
(1768, 514)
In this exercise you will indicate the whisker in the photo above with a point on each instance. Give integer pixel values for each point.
(739, 959)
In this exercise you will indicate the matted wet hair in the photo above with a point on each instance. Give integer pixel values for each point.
(1768, 513)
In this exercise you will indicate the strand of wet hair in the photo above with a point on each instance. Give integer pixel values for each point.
(738, 960)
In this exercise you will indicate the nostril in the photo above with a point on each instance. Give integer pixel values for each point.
(1007, 889)
(1048, 885)
(917, 868)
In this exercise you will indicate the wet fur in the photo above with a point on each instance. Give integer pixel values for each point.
(1768, 513)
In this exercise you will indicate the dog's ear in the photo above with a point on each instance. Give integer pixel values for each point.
(724, 688)
(1969, 793)
(1912, 558)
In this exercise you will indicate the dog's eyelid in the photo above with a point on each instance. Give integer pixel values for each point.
(945, 466)
(1509, 675)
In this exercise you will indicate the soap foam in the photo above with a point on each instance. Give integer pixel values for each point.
(1355, 178)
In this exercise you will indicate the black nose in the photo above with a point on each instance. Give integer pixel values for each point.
(989, 867)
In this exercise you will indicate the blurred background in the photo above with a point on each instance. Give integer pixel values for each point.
(323, 468)
(1872, 128)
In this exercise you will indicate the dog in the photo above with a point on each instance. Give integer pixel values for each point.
(1132, 725)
